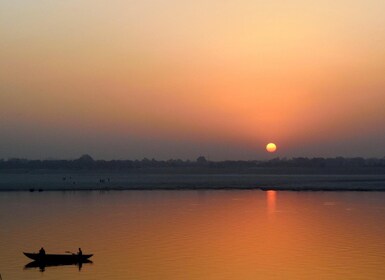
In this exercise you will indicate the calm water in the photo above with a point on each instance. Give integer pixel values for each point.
(197, 234)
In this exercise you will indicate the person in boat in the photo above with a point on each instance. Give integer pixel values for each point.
(42, 252)
(80, 253)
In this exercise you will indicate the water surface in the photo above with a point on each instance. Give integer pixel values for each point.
(197, 234)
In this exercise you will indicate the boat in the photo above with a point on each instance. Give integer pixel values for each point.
(58, 258)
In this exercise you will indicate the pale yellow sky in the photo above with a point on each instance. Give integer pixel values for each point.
(133, 79)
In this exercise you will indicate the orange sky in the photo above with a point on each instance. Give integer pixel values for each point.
(179, 79)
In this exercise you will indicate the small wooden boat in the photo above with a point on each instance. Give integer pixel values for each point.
(58, 258)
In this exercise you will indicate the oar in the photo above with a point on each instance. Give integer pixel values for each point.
(66, 252)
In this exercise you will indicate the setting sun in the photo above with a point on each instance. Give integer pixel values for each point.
(271, 147)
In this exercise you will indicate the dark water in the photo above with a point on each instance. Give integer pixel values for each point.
(197, 234)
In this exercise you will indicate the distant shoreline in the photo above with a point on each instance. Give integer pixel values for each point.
(296, 165)
(118, 181)
(284, 189)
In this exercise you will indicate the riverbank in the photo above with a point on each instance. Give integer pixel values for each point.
(64, 180)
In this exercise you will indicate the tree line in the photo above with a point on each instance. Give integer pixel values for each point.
(87, 162)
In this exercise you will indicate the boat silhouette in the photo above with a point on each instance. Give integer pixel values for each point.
(58, 258)
(47, 260)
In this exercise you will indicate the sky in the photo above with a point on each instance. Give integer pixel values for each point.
(128, 79)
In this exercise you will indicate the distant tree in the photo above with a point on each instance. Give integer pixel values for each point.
(202, 160)
(86, 159)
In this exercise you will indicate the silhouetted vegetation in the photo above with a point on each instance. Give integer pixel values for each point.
(86, 162)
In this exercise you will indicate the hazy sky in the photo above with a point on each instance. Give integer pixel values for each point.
(179, 79)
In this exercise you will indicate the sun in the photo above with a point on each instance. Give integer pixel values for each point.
(271, 147)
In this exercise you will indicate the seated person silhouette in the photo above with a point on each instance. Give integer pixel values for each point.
(41, 252)
(80, 253)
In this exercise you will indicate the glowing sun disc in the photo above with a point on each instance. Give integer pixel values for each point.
(271, 147)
